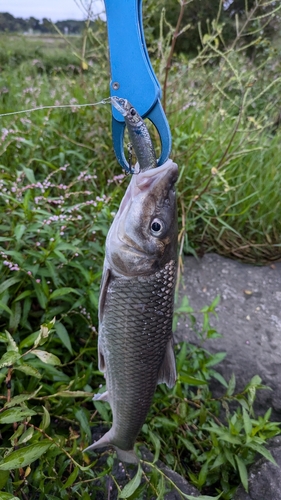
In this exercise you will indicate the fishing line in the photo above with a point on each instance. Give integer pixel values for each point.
(106, 100)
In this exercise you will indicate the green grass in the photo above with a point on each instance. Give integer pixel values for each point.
(228, 151)
(224, 140)
(46, 53)
(60, 186)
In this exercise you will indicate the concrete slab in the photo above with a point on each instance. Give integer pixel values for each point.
(249, 318)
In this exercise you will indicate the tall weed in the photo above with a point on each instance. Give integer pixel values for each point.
(60, 188)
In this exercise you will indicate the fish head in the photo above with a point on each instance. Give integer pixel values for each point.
(143, 235)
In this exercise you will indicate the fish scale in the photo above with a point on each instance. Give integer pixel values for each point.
(134, 343)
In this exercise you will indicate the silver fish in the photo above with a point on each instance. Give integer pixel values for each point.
(138, 133)
(135, 344)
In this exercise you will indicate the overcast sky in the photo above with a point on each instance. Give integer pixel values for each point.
(55, 10)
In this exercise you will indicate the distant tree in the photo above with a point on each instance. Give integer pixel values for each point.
(74, 27)
(45, 26)
(197, 12)
(233, 7)
(10, 23)
(263, 15)
(33, 24)
(203, 12)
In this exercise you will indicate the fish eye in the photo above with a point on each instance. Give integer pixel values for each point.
(133, 111)
(156, 227)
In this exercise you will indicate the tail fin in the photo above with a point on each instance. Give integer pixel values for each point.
(127, 456)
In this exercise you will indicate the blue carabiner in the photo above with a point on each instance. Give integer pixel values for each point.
(132, 75)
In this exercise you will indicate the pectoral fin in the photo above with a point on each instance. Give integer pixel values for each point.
(167, 373)
(103, 291)
(101, 360)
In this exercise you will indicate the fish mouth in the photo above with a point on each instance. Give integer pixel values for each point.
(168, 169)
(129, 251)
(129, 244)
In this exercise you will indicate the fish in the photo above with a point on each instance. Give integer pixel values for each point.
(138, 133)
(135, 340)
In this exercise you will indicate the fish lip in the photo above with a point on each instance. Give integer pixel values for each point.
(169, 167)
(152, 179)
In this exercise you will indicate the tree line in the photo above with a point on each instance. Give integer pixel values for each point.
(9, 23)
(196, 16)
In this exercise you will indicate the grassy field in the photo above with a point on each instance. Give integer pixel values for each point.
(223, 121)
(60, 187)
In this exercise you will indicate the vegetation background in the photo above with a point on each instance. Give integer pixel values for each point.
(219, 66)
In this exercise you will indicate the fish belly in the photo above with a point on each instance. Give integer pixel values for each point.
(134, 337)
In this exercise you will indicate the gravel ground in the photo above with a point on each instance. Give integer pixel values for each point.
(249, 318)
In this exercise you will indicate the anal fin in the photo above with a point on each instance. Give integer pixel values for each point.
(104, 441)
(104, 396)
(167, 373)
